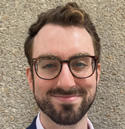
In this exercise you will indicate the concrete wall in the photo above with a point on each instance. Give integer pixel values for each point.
(17, 105)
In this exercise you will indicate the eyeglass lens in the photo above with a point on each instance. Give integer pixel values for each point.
(80, 67)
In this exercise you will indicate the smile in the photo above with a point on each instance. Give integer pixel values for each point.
(66, 98)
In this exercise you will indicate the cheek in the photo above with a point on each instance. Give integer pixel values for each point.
(42, 86)
(89, 84)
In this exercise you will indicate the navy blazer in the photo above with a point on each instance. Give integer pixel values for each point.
(33, 124)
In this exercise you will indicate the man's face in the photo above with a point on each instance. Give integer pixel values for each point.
(65, 99)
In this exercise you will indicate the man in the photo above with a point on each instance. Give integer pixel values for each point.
(63, 51)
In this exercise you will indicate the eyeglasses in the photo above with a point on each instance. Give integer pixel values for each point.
(49, 67)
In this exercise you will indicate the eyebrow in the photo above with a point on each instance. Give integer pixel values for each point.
(53, 57)
(48, 56)
(79, 55)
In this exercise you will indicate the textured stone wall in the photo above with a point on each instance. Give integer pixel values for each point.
(17, 105)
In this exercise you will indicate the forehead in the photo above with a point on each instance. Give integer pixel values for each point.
(62, 41)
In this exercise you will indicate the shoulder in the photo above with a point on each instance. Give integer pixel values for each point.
(33, 124)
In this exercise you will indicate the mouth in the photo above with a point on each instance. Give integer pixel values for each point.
(66, 98)
(71, 96)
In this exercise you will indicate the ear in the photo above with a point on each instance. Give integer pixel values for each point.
(29, 78)
(98, 72)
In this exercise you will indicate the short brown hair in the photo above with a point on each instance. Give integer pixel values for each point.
(68, 15)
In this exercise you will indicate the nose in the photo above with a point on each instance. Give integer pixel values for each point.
(66, 79)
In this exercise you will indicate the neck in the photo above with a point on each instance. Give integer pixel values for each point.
(47, 123)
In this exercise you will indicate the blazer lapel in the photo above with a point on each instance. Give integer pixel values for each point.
(33, 125)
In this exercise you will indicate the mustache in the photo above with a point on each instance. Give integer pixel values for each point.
(71, 91)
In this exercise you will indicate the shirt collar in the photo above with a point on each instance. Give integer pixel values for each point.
(39, 125)
(90, 126)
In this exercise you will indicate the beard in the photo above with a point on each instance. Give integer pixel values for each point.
(68, 114)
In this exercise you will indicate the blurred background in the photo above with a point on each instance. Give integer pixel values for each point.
(17, 105)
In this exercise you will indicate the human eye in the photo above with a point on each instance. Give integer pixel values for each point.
(49, 66)
(79, 65)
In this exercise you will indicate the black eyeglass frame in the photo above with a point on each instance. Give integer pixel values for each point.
(95, 58)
